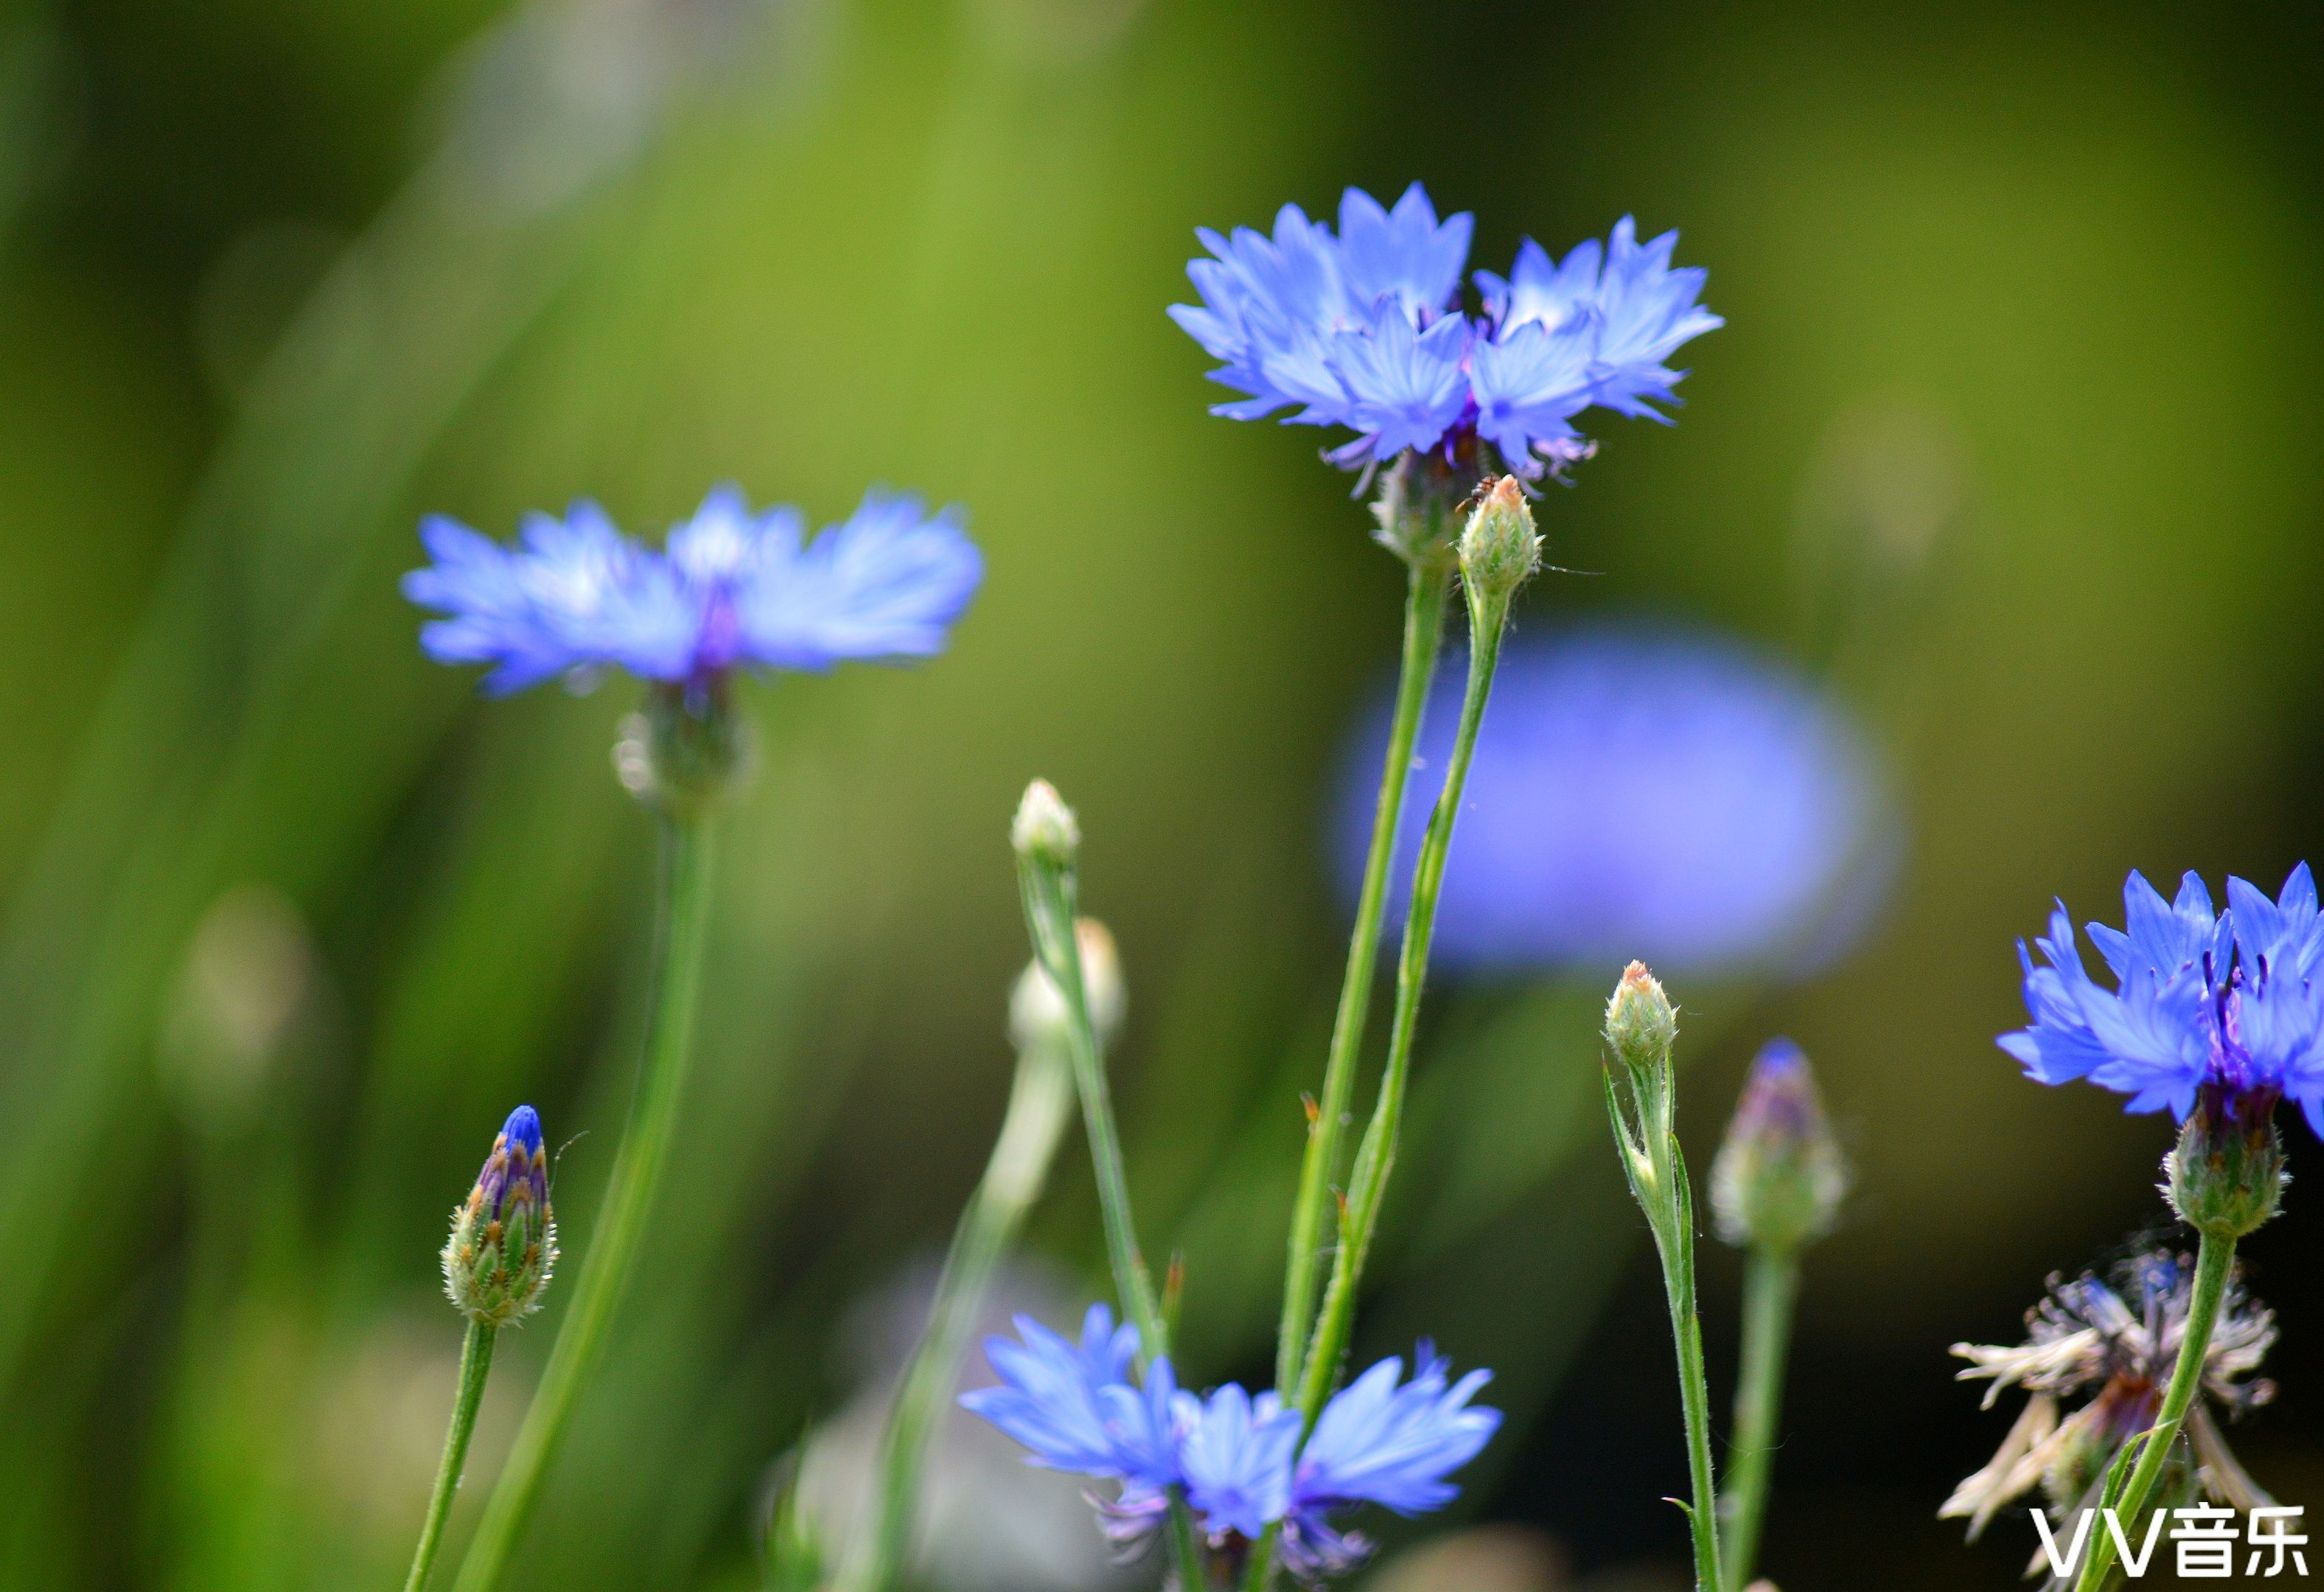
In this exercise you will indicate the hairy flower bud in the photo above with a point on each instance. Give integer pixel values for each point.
(1641, 1024)
(2226, 1176)
(1036, 1011)
(1780, 1176)
(1499, 549)
(1045, 829)
(504, 1242)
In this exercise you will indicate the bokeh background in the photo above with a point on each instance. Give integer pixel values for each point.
(2024, 300)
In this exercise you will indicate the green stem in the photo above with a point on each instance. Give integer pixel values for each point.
(475, 1365)
(1038, 1101)
(2214, 1260)
(1771, 1283)
(1656, 1171)
(685, 865)
(1424, 636)
(1694, 1393)
(1049, 897)
(1376, 1156)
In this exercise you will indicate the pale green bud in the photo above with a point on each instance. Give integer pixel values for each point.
(1500, 548)
(1641, 1024)
(1045, 830)
(1037, 1010)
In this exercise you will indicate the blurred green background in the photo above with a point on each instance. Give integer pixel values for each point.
(291, 918)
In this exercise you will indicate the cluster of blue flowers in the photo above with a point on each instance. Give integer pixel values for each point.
(1364, 329)
(2228, 1000)
(730, 588)
(1236, 1460)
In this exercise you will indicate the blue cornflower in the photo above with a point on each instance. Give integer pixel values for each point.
(731, 589)
(1365, 330)
(1377, 1442)
(1051, 1398)
(1234, 1457)
(2226, 1001)
(1641, 790)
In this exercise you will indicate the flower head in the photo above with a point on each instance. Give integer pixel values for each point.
(1051, 1396)
(1234, 1456)
(2117, 1339)
(731, 588)
(1364, 329)
(2223, 1000)
(1380, 1443)
(1641, 791)
(503, 1243)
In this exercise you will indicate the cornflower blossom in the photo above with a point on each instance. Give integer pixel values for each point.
(2225, 1001)
(1364, 328)
(1235, 1457)
(731, 588)
(2116, 1340)
(1641, 792)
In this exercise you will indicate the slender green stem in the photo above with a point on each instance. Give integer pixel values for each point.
(1656, 1171)
(1695, 1393)
(1424, 636)
(2214, 1260)
(475, 1365)
(1049, 897)
(686, 868)
(1771, 1283)
(1038, 1101)
(1376, 1156)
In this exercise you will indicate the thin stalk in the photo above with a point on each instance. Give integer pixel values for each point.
(475, 1365)
(1039, 1100)
(1771, 1284)
(682, 930)
(1049, 893)
(2214, 1259)
(1376, 1156)
(1424, 636)
(1695, 1393)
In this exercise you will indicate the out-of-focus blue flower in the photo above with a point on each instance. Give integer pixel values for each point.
(731, 588)
(1052, 1397)
(1646, 792)
(1377, 1442)
(1365, 330)
(2227, 998)
(1234, 1458)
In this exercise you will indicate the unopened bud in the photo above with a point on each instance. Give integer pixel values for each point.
(1780, 1176)
(1641, 1024)
(2226, 1177)
(1045, 830)
(504, 1242)
(1500, 549)
(1037, 1010)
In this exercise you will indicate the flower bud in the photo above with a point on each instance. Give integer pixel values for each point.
(2226, 1177)
(1045, 830)
(1780, 1176)
(504, 1242)
(1499, 550)
(1641, 1024)
(1037, 1010)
